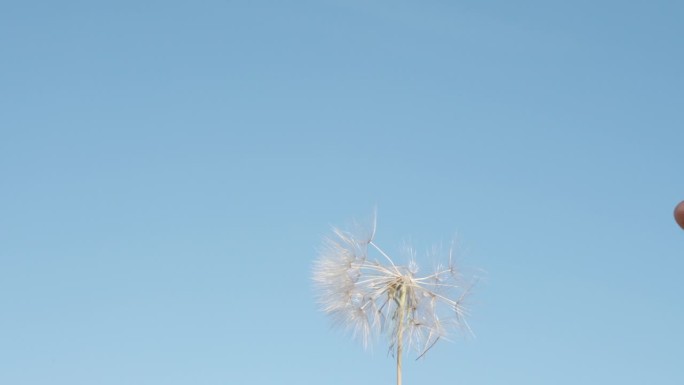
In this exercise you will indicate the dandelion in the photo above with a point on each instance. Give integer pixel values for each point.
(373, 296)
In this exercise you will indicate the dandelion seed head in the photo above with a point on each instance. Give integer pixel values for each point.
(361, 288)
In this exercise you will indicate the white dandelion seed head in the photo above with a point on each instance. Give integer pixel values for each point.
(361, 288)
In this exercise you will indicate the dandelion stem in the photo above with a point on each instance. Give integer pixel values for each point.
(400, 328)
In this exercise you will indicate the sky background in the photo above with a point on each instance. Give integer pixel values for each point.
(168, 170)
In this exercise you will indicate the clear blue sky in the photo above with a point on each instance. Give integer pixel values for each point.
(168, 169)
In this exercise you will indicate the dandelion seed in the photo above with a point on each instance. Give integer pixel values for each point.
(370, 298)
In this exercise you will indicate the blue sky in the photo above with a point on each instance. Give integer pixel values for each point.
(168, 170)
